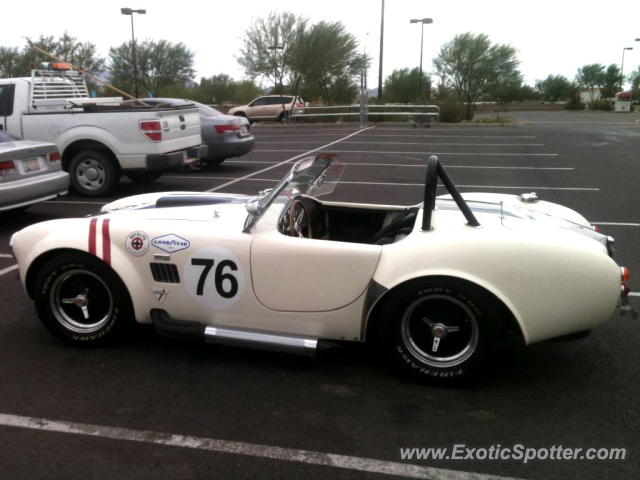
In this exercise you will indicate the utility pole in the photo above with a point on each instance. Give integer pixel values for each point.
(381, 48)
(130, 12)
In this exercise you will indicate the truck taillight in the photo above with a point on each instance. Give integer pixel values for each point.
(54, 157)
(227, 128)
(152, 130)
(7, 167)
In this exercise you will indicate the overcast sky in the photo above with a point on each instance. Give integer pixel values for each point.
(551, 36)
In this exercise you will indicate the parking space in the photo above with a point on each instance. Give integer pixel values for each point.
(229, 404)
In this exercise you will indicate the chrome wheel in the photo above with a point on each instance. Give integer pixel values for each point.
(81, 301)
(90, 174)
(440, 330)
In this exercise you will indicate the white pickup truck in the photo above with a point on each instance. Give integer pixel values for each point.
(99, 139)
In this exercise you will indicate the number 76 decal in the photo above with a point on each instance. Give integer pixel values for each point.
(214, 277)
(219, 277)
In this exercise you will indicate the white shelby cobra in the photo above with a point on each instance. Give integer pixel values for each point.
(283, 270)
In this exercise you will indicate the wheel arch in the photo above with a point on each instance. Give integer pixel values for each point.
(507, 316)
(81, 145)
(39, 262)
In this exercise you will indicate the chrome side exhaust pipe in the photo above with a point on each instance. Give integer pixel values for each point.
(261, 341)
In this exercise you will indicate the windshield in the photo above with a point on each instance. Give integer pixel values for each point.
(314, 176)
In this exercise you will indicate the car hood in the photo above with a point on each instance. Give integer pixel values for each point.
(173, 199)
(227, 209)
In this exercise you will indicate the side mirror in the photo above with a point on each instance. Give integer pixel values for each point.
(253, 207)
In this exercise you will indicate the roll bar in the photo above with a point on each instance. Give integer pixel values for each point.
(435, 170)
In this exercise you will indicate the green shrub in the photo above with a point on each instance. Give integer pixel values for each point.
(452, 111)
(574, 104)
(601, 105)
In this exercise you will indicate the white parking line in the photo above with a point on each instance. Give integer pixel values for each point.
(395, 135)
(398, 184)
(420, 165)
(484, 154)
(634, 294)
(288, 160)
(617, 224)
(8, 269)
(309, 457)
(421, 143)
(6, 255)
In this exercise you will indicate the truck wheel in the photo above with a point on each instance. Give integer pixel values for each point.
(440, 330)
(81, 300)
(143, 177)
(93, 173)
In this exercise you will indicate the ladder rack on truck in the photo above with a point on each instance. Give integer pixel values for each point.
(62, 90)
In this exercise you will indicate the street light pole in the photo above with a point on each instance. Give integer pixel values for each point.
(421, 21)
(130, 12)
(622, 67)
(381, 49)
(275, 73)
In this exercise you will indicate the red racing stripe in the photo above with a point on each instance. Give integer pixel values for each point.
(106, 242)
(92, 236)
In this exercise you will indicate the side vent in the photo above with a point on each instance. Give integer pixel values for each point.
(165, 272)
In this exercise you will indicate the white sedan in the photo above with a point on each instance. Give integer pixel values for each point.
(437, 284)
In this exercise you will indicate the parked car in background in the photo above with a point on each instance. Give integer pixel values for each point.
(99, 139)
(226, 136)
(269, 107)
(30, 172)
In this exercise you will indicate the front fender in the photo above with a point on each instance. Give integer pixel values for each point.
(90, 236)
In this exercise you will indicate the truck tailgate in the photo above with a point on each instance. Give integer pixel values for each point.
(180, 129)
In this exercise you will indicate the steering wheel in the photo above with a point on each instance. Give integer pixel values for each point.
(299, 219)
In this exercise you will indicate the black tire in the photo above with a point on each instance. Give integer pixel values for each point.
(464, 318)
(93, 173)
(283, 117)
(212, 162)
(143, 177)
(79, 299)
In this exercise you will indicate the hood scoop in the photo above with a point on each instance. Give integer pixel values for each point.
(194, 200)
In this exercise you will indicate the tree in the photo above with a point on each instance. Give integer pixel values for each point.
(509, 90)
(223, 89)
(472, 66)
(320, 60)
(10, 62)
(403, 86)
(267, 46)
(554, 88)
(330, 63)
(15, 62)
(612, 81)
(591, 77)
(160, 65)
(634, 78)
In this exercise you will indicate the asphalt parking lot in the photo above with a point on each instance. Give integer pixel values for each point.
(244, 414)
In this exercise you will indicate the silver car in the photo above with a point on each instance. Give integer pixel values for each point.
(226, 136)
(30, 172)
